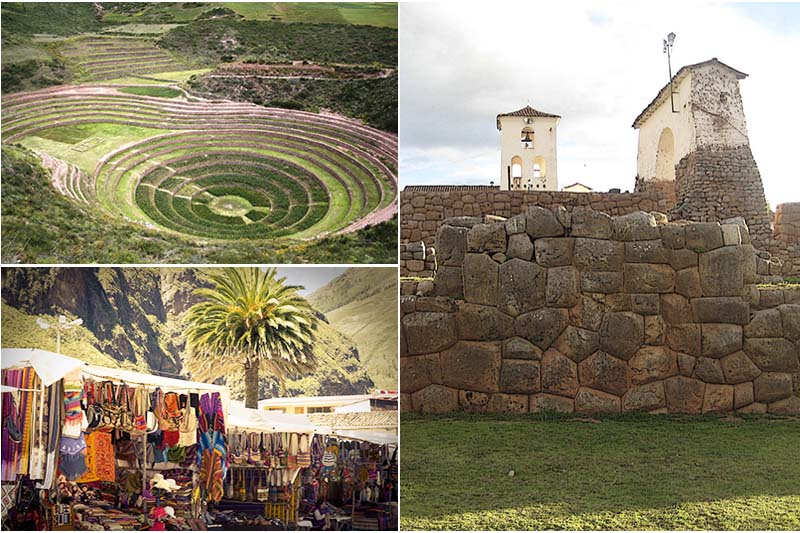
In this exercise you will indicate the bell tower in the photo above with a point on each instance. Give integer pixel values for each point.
(528, 150)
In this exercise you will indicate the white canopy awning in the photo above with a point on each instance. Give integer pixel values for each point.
(246, 419)
(49, 366)
(376, 436)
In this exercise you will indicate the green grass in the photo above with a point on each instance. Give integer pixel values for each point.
(42, 226)
(629, 472)
(159, 77)
(141, 29)
(160, 92)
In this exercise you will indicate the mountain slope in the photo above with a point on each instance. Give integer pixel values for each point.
(133, 318)
(362, 303)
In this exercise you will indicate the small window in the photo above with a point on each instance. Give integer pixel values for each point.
(312, 410)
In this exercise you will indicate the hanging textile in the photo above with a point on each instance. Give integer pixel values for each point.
(99, 458)
(72, 447)
(16, 449)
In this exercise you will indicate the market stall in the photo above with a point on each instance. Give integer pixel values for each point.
(356, 476)
(267, 452)
(101, 448)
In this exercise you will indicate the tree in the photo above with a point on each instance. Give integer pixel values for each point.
(251, 321)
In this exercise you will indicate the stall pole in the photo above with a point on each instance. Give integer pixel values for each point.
(144, 461)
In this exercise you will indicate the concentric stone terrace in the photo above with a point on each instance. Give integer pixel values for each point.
(109, 57)
(211, 170)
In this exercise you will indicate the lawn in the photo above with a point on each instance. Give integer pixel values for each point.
(621, 472)
(158, 91)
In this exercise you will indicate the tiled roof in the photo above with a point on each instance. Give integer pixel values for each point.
(526, 111)
(676, 79)
(368, 420)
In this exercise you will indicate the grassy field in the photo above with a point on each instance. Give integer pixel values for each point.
(636, 472)
(160, 92)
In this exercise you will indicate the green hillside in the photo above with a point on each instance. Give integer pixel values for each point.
(362, 303)
(134, 318)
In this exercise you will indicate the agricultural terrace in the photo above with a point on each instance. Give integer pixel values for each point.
(105, 58)
(211, 170)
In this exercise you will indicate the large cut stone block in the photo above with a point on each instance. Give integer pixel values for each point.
(601, 282)
(721, 310)
(489, 238)
(516, 224)
(646, 252)
(646, 277)
(704, 236)
(596, 255)
(604, 372)
(482, 323)
(451, 245)
(742, 394)
(520, 376)
(652, 363)
(772, 386)
(435, 399)
(673, 236)
(709, 370)
(522, 286)
(590, 223)
(540, 222)
(542, 327)
(687, 283)
(554, 252)
(520, 246)
(417, 372)
(516, 404)
(790, 318)
(765, 323)
(449, 281)
(773, 355)
(621, 334)
(738, 368)
(675, 309)
(551, 403)
(559, 374)
(638, 226)
(473, 402)
(684, 338)
(563, 286)
(720, 340)
(577, 343)
(519, 348)
(684, 395)
(588, 314)
(718, 399)
(787, 406)
(646, 397)
(481, 276)
(472, 366)
(429, 332)
(645, 304)
(590, 402)
(722, 272)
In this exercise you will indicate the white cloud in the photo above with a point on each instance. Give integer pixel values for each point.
(597, 65)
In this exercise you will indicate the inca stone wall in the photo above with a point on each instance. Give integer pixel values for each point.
(422, 209)
(417, 260)
(718, 183)
(582, 312)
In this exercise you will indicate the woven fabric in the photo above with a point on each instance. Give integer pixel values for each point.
(99, 458)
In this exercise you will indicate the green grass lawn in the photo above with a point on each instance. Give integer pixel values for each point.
(158, 91)
(620, 472)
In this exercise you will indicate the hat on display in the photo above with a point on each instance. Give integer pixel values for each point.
(159, 482)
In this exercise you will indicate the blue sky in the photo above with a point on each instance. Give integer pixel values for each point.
(597, 65)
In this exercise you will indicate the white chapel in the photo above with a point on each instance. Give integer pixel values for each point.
(528, 150)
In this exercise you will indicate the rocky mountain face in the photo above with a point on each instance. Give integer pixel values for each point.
(135, 316)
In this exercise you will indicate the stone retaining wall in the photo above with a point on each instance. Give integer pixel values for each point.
(579, 311)
(423, 208)
(417, 260)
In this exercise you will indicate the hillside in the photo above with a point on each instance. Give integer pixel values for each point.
(133, 318)
(42, 226)
(362, 303)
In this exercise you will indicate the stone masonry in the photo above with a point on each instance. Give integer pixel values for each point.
(583, 312)
(423, 208)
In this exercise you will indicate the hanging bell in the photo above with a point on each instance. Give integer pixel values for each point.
(527, 139)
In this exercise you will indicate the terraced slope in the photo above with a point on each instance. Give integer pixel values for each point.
(208, 169)
(110, 57)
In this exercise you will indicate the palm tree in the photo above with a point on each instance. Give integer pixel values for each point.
(251, 320)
